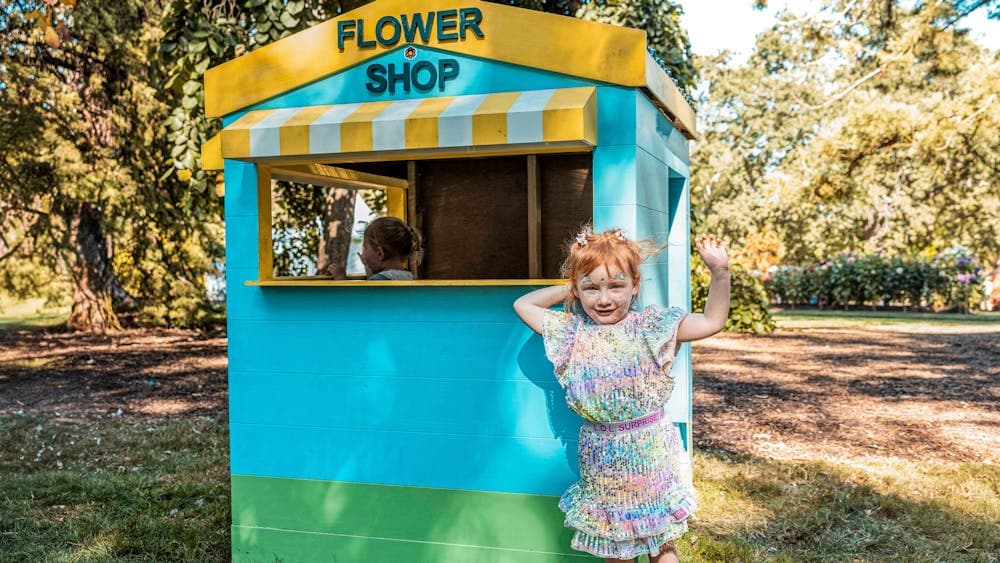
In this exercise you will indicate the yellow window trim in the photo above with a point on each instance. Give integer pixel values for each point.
(326, 282)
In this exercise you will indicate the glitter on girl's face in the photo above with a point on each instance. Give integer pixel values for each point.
(606, 294)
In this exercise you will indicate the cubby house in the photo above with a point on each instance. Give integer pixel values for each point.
(419, 420)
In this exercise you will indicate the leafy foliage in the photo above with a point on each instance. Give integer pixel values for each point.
(949, 279)
(87, 196)
(867, 127)
(748, 310)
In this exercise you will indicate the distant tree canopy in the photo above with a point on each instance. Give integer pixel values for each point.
(870, 126)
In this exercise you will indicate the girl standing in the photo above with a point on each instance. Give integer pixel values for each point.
(635, 494)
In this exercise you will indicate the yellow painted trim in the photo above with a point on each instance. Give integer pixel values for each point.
(669, 99)
(265, 246)
(211, 154)
(434, 153)
(323, 175)
(571, 114)
(561, 44)
(236, 137)
(422, 123)
(327, 282)
(396, 202)
(489, 121)
(356, 129)
(294, 134)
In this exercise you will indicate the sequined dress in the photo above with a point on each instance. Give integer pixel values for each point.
(634, 492)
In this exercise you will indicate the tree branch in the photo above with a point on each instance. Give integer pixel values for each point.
(846, 91)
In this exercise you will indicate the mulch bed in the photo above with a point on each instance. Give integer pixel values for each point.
(912, 392)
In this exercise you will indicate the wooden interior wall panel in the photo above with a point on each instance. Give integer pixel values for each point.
(393, 168)
(567, 201)
(475, 218)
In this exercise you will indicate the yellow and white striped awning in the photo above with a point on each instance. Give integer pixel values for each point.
(558, 118)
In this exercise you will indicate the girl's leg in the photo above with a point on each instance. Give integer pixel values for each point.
(668, 554)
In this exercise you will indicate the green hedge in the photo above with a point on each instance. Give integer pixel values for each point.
(748, 310)
(951, 279)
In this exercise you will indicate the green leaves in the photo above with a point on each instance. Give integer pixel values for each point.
(845, 135)
(748, 309)
(190, 87)
(288, 20)
(949, 279)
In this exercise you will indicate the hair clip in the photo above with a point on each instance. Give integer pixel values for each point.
(581, 239)
(621, 234)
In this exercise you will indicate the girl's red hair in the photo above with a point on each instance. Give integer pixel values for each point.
(588, 251)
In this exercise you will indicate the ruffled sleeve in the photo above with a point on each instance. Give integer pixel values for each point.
(559, 335)
(659, 329)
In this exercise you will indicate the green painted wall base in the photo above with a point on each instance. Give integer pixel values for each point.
(279, 519)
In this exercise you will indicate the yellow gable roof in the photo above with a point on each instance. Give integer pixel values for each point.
(589, 50)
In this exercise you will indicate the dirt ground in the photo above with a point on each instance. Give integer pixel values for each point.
(909, 391)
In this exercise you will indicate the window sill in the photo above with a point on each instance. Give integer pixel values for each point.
(327, 282)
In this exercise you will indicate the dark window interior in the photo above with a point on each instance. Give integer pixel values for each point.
(473, 212)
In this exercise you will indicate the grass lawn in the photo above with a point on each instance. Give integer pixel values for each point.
(81, 481)
(113, 489)
(804, 318)
(118, 489)
(33, 313)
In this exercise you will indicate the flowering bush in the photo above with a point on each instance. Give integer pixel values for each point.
(959, 279)
(949, 279)
(748, 310)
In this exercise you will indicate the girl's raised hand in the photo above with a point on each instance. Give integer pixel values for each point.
(712, 252)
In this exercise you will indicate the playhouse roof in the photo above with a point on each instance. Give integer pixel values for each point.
(589, 50)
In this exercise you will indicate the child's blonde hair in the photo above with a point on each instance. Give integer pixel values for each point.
(589, 250)
(396, 238)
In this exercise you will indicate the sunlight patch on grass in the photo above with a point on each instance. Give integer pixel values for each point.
(812, 318)
(103, 546)
(31, 313)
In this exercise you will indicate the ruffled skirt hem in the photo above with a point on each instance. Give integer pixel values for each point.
(646, 535)
(627, 549)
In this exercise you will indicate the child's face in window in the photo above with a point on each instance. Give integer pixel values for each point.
(606, 294)
(370, 257)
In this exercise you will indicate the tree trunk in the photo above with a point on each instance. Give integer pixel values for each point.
(338, 222)
(91, 272)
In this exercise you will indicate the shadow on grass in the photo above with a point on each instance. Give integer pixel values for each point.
(113, 490)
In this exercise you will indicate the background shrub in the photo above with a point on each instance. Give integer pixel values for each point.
(948, 279)
(748, 311)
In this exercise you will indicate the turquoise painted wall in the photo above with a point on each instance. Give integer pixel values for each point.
(424, 423)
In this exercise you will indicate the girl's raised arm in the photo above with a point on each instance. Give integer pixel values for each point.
(531, 307)
(702, 325)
